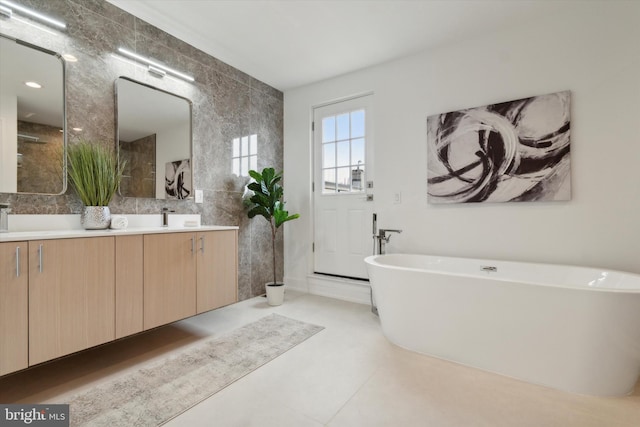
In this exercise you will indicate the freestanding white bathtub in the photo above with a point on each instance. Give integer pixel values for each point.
(571, 328)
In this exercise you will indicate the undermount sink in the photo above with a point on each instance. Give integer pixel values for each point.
(71, 222)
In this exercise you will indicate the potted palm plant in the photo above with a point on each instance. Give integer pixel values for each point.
(266, 201)
(95, 174)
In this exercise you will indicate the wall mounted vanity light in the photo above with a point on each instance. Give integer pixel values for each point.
(156, 71)
(155, 68)
(7, 9)
(28, 137)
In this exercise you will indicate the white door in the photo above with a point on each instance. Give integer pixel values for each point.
(343, 141)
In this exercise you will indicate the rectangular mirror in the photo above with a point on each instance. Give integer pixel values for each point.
(154, 141)
(32, 119)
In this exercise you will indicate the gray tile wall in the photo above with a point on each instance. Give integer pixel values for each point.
(227, 104)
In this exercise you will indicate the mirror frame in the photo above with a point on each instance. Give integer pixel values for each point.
(64, 111)
(117, 132)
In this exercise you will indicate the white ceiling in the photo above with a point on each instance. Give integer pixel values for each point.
(290, 43)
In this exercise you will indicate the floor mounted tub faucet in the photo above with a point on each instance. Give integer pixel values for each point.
(382, 237)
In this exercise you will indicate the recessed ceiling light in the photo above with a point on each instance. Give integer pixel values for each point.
(69, 58)
(77, 129)
(34, 85)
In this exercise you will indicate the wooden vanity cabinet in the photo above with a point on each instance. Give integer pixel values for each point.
(188, 273)
(14, 307)
(169, 278)
(217, 268)
(60, 296)
(129, 285)
(71, 296)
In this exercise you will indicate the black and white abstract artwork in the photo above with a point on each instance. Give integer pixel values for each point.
(516, 151)
(177, 181)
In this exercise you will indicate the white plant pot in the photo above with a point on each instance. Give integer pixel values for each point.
(275, 293)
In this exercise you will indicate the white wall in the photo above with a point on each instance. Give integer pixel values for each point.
(594, 52)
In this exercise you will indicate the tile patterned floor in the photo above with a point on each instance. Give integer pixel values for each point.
(347, 375)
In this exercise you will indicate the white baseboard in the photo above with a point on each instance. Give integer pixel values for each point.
(333, 287)
(297, 284)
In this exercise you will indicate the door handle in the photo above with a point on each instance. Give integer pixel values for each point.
(40, 258)
(18, 261)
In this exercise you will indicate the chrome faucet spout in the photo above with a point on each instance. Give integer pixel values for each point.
(165, 216)
(382, 237)
(389, 230)
(383, 233)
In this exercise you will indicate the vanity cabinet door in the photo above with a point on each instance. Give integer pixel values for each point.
(129, 285)
(14, 306)
(169, 278)
(217, 269)
(71, 296)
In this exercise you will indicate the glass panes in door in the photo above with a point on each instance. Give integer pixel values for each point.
(343, 152)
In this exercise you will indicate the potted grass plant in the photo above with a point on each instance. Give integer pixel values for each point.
(95, 174)
(266, 201)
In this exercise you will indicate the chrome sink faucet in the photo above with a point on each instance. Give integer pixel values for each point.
(165, 216)
(4, 217)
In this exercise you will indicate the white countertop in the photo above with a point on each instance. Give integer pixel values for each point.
(15, 236)
(44, 227)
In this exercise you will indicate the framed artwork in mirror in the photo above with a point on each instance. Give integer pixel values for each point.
(177, 179)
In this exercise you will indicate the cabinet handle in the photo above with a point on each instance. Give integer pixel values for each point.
(202, 244)
(193, 245)
(18, 261)
(40, 263)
